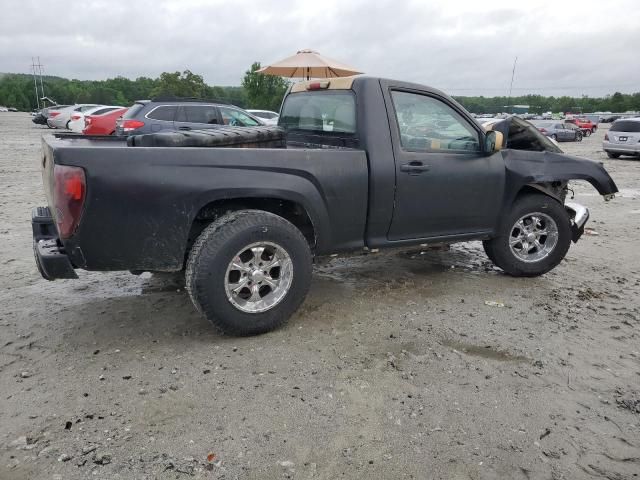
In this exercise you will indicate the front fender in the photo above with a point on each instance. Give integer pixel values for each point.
(527, 167)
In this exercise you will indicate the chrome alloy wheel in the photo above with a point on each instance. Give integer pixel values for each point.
(533, 237)
(258, 277)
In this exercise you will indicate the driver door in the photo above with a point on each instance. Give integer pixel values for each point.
(445, 184)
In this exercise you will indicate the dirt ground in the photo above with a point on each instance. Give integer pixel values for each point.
(395, 367)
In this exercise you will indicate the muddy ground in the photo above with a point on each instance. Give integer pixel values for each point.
(394, 367)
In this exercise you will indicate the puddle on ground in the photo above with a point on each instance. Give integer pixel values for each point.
(485, 352)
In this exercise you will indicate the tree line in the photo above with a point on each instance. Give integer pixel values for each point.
(618, 103)
(258, 91)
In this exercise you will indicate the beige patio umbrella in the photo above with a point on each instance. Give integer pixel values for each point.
(309, 64)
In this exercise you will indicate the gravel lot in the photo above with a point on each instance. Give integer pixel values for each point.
(394, 368)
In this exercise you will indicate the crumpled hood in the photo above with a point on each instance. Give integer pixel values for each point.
(530, 157)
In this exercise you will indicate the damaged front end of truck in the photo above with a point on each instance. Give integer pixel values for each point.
(534, 161)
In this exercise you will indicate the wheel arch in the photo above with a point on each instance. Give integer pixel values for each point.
(291, 210)
(555, 190)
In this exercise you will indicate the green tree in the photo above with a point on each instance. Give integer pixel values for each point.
(185, 84)
(263, 91)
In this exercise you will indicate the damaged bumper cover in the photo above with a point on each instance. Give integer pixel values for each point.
(579, 215)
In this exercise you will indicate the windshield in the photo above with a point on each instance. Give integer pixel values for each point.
(323, 111)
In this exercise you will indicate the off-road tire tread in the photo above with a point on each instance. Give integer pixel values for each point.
(497, 248)
(217, 234)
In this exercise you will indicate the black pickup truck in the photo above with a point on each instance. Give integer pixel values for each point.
(355, 163)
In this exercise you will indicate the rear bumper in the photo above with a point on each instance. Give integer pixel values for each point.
(631, 148)
(579, 216)
(49, 254)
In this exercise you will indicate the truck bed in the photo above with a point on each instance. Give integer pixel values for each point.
(142, 202)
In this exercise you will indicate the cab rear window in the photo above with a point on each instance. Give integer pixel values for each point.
(328, 111)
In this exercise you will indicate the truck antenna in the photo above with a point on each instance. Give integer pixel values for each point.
(513, 74)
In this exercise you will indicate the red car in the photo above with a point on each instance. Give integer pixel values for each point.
(584, 124)
(104, 124)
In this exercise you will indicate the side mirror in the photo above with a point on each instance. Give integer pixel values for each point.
(493, 141)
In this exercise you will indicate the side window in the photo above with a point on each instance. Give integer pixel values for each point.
(236, 118)
(426, 123)
(165, 112)
(206, 114)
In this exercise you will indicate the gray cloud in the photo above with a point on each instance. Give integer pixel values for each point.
(462, 47)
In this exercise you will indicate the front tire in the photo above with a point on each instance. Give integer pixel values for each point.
(578, 137)
(533, 238)
(554, 137)
(587, 133)
(248, 272)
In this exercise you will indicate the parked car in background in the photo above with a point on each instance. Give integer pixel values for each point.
(559, 131)
(38, 118)
(76, 122)
(267, 116)
(102, 124)
(150, 116)
(3, 109)
(60, 117)
(578, 132)
(623, 138)
(583, 122)
(609, 118)
(41, 116)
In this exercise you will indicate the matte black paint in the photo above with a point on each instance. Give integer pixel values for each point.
(142, 201)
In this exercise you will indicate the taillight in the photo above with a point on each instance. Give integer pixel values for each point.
(54, 114)
(131, 125)
(75, 117)
(543, 130)
(606, 137)
(69, 193)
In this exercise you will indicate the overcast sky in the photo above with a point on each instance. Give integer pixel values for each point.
(463, 47)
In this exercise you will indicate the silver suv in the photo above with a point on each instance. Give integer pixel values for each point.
(623, 138)
(150, 116)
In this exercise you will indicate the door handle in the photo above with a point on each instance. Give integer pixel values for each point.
(184, 128)
(414, 168)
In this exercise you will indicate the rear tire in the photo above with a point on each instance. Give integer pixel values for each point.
(613, 155)
(248, 272)
(554, 137)
(578, 137)
(514, 248)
